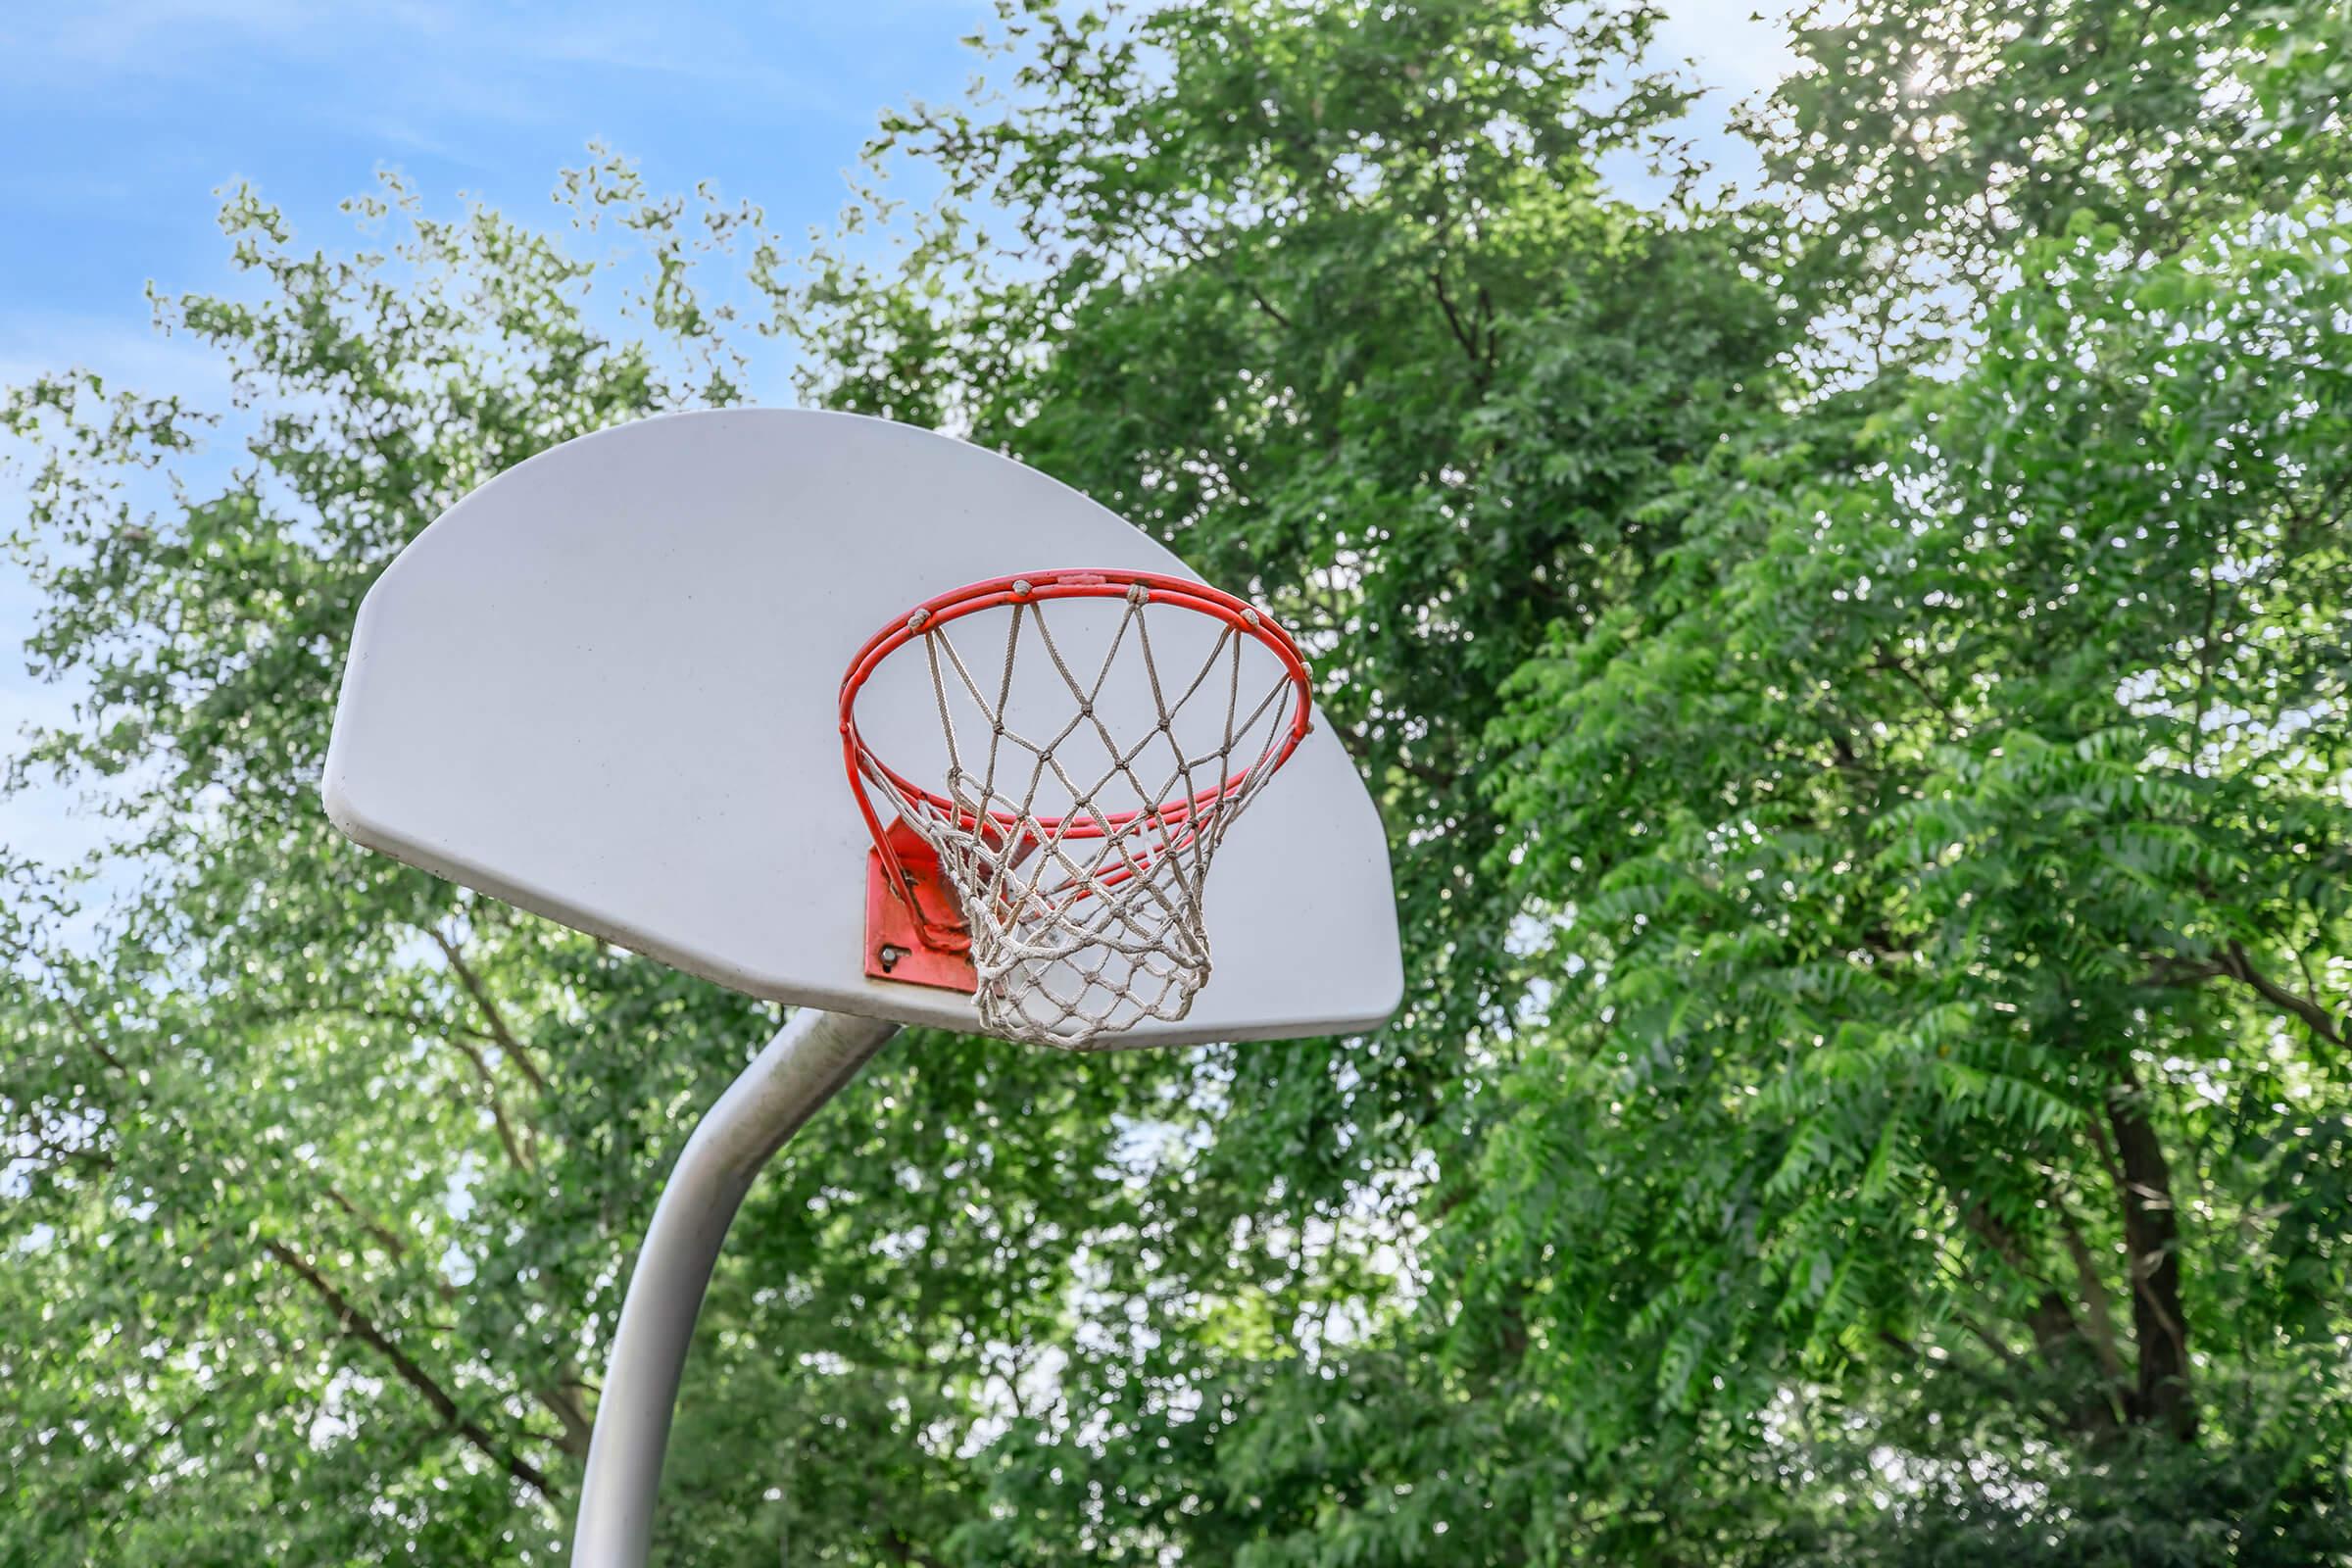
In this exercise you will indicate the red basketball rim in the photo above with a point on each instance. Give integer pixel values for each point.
(1035, 587)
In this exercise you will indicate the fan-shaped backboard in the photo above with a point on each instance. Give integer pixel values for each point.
(604, 687)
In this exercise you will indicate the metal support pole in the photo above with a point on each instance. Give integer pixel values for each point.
(811, 1059)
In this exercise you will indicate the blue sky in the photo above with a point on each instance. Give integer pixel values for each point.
(123, 116)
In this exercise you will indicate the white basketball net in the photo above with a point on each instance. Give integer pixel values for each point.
(1087, 922)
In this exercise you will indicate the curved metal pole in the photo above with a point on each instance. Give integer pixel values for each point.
(803, 1067)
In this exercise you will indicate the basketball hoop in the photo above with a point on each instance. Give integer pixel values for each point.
(1060, 880)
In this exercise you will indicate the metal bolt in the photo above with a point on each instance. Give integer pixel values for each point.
(890, 957)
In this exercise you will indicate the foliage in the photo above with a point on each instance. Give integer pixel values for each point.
(1856, 680)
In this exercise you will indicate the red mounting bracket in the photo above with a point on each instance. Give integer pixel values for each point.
(894, 949)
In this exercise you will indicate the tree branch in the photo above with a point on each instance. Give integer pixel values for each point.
(356, 1325)
(1992, 1342)
(1453, 323)
(1200, 254)
(480, 994)
(519, 1152)
(2057, 1333)
(395, 1244)
(89, 1037)
(1265, 305)
(562, 1401)
(2236, 963)
(2093, 1293)
(2239, 967)
(2006, 1382)
(1880, 660)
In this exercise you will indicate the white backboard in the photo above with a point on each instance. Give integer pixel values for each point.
(604, 687)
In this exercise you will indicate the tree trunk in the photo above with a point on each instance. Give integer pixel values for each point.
(2152, 1236)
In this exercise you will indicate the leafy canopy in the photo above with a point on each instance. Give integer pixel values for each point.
(1856, 676)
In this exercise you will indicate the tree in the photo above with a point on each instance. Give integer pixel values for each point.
(325, 1173)
(1855, 678)
(1957, 863)
(1870, 908)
